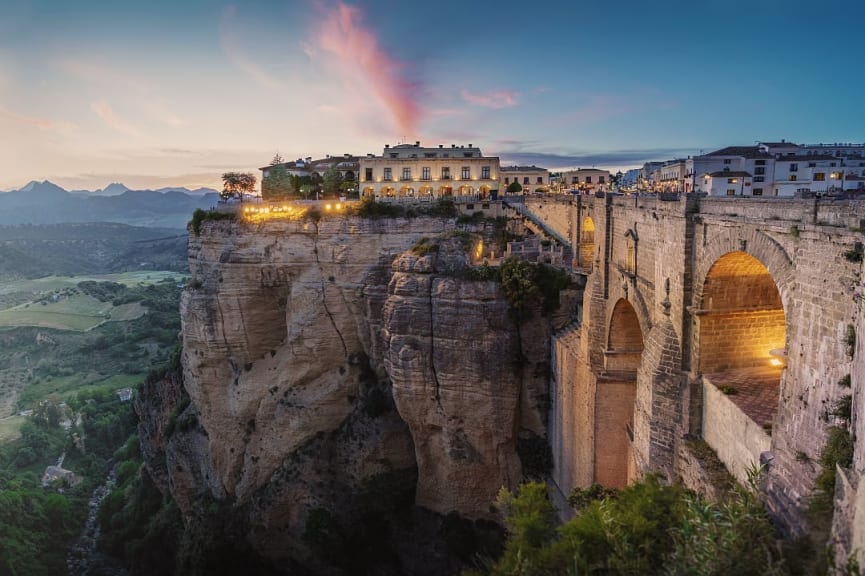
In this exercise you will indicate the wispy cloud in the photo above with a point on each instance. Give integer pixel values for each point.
(355, 51)
(138, 92)
(598, 108)
(45, 124)
(230, 44)
(495, 99)
(104, 110)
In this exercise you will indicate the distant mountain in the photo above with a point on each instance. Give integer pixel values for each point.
(47, 203)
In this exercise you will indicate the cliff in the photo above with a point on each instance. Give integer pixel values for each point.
(332, 372)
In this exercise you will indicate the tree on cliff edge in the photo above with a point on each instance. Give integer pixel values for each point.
(235, 184)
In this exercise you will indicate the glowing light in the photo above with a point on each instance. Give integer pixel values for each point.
(339, 206)
(327, 206)
(776, 362)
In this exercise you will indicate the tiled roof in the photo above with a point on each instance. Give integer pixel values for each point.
(742, 151)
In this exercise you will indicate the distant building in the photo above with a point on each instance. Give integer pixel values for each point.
(587, 179)
(531, 178)
(125, 394)
(630, 179)
(346, 165)
(412, 171)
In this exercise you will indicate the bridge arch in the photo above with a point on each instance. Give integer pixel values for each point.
(741, 340)
(615, 396)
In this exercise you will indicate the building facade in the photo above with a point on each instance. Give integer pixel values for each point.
(412, 171)
(530, 178)
(587, 179)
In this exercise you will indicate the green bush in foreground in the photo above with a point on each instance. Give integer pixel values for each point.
(647, 528)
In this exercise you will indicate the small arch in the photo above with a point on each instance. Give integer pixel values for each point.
(485, 191)
(466, 190)
(388, 192)
(426, 190)
(369, 192)
(406, 191)
(446, 191)
(615, 397)
(587, 243)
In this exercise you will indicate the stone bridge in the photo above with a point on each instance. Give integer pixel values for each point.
(727, 320)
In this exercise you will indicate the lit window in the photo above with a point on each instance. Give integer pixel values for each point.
(757, 192)
(792, 178)
(819, 177)
(731, 191)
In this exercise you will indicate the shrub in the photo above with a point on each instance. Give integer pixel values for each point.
(200, 216)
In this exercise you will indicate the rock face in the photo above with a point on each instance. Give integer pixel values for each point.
(293, 332)
(457, 366)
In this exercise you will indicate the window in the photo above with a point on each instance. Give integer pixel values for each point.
(446, 173)
(367, 176)
(467, 154)
(794, 167)
(485, 172)
(731, 191)
(387, 174)
(588, 179)
(525, 179)
(819, 177)
(757, 191)
(425, 173)
(832, 164)
(393, 154)
(759, 178)
(507, 180)
(760, 170)
(759, 162)
(574, 180)
(429, 155)
(731, 180)
(792, 178)
(540, 179)
(727, 161)
(467, 173)
(406, 173)
(601, 180)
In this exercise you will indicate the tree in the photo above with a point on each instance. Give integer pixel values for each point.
(235, 184)
(277, 184)
(305, 189)
(514, 188)
(331, 181)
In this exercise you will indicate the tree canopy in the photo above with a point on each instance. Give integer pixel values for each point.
(235, 184)
(514, 187)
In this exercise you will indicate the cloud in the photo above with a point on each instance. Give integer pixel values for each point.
(139, 93)
(615, 158)
(495, 99)
(354, 50)
(599, 107)
(104, 110)
(45, 124)
(230, 43)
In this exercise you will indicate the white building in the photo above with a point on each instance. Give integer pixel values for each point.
(530, 178)
(409, 170)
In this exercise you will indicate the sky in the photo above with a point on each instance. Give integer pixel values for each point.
(167, 93)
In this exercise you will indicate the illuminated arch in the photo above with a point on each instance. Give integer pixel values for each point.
(587, 243)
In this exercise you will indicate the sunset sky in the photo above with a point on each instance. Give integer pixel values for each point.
(162, 93)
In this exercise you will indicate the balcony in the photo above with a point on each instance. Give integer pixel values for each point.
(446, 177)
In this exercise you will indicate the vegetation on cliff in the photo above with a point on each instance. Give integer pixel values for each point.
(647, 528)
(200, 216)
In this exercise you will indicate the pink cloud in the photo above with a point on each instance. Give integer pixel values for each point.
(104, 110)
(495, 99)
(45, 124)
(355, 51)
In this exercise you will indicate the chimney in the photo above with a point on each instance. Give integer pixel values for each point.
(470, 145)
(441, 145)
(387, 145)
(417, 144)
